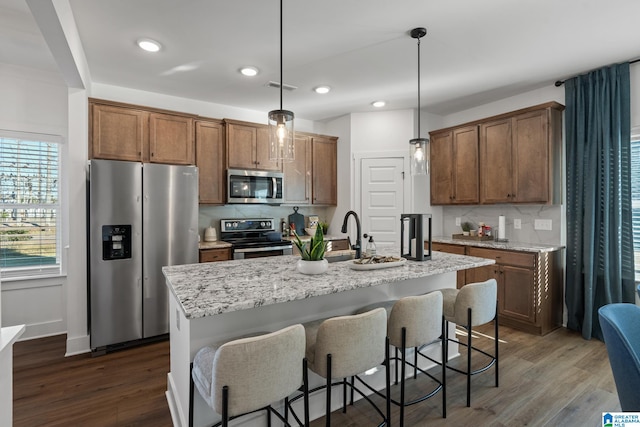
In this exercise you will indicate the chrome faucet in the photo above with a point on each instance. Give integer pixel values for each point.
(358, 245)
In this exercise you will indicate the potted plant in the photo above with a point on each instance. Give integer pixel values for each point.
(324, 225)
(312, 253)
(466, 227)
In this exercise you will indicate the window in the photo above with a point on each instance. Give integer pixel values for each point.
(635, 197)
(29, 204)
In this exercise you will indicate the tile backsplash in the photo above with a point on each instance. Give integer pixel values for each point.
(527, 214)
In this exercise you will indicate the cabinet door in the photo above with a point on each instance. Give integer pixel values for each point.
(516, 295)
(441, 160)
(210, 162)
(171, 139)
(118, 133)
(484, 273)
(531, 157)
(241, 146)
(262, 150)
(465, 165)
(496, 173)
(324, 171)
(297, 174)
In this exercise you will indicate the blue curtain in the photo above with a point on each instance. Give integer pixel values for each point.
(600, 266)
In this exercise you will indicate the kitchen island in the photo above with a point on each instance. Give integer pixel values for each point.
(219, 301)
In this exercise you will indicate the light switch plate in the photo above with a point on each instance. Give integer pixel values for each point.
(543, 224)
(458, 221)
(517, 224)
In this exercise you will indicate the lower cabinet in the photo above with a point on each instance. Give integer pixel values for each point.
(212, 255)
(529, 286)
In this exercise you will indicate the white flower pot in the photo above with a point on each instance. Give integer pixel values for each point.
(312, 267)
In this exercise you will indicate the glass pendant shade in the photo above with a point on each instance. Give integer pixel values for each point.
(281, 136)
(419, 156)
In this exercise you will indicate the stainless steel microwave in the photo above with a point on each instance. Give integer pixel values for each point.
(250, 186)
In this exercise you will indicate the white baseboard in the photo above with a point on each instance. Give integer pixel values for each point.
(78, 345)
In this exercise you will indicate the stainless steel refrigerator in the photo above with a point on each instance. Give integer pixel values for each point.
(141, 216)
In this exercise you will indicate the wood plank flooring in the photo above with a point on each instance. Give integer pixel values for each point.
(559, 379)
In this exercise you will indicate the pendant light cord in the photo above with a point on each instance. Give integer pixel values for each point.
(418, 87)
(281, 82)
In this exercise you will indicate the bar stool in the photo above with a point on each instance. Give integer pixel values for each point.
(473, 305)
(251, 373)
(346, 346)
(416, 322)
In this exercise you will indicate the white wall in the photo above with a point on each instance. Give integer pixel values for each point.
(34, 101)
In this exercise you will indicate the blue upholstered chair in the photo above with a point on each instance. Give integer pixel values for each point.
(620, 325)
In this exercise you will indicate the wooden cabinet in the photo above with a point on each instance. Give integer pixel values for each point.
(118, 133)
(340, 245)
(510, 158)
(131, 133)
(525, 147)
(324, 169)
(297, 174)
(171, 139)
(529, 287)
(213, 255)
(210, 159)
(248, 146)
(454, 170)
(452, 249)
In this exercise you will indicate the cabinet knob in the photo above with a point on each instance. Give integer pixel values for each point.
(152, 154)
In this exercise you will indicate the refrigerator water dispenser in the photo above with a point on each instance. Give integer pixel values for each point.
(116, 242)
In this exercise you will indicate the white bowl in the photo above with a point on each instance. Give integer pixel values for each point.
(310, 231)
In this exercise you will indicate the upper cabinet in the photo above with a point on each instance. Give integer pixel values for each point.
(297, 174)
(118, 133)
(210, 159)
(131, 133)
(511, 158)
(248, 146)
(171, 139)
(454, 171)
(324, 171)
(526, 146)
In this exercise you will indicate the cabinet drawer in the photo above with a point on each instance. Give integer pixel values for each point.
(339, 245)
(211, 255)
(449, 248)
(518, 259)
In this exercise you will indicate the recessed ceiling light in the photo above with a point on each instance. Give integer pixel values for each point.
(249, 71)
(149, 45)
(322, 89)
(378, 104)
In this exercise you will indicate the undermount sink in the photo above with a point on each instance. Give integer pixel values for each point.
(342, 257)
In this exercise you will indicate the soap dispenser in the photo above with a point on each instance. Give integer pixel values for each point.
(371, 246)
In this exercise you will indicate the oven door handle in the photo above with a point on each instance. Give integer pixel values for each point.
(266, 249)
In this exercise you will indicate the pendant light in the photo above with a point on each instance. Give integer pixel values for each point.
(420, 153)
(281, 123)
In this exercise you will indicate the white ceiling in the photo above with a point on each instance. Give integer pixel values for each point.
(475, 51)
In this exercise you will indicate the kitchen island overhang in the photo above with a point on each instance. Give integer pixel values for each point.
(218, 301)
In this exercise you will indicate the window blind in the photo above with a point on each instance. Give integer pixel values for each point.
(29, 205)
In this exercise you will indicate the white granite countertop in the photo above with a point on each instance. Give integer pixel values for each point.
(218, 244)
(218, 287)
(491, 244)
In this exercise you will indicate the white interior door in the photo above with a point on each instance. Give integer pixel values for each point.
(382, 184)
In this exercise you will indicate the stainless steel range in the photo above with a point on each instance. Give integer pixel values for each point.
(254, 238)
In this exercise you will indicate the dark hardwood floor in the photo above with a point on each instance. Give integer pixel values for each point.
(556, 380)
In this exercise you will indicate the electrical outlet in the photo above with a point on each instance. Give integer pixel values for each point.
(543, 224)
(517, 224)
(458, 222)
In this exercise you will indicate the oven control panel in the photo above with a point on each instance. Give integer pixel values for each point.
(247, 224)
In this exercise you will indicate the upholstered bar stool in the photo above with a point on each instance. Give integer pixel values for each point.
(346, 346)
(249, 374)
(473, 305)
(416, 322)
